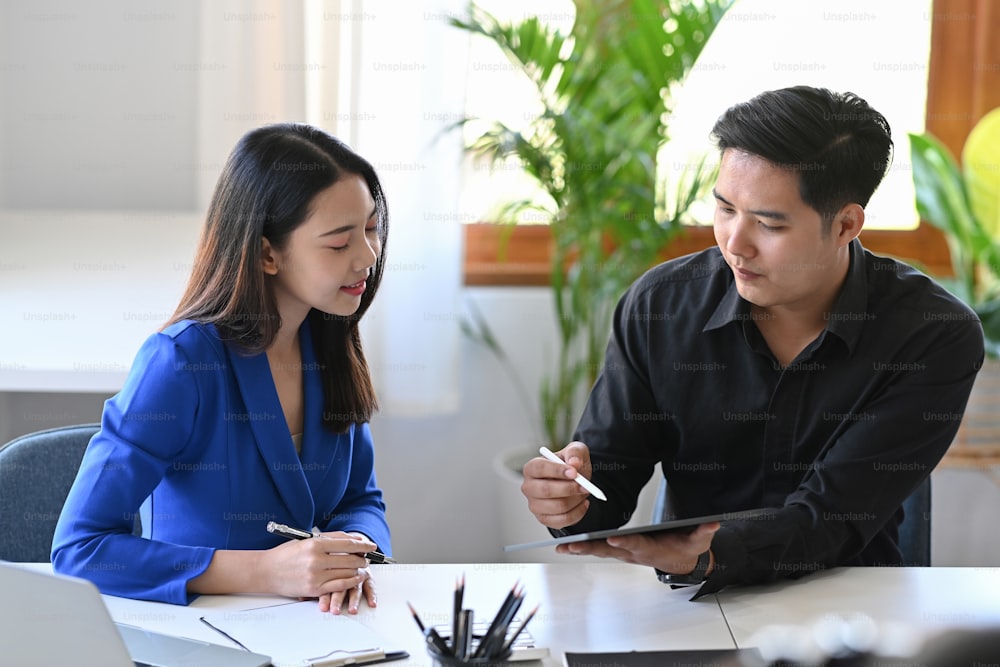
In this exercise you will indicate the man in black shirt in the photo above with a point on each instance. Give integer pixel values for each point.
(788, 367)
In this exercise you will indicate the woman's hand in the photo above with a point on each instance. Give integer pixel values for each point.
(331, 567)
(334, 602)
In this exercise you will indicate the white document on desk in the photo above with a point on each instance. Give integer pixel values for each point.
(299, 634)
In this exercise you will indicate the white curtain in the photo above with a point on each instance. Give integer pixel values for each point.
(387, 80)
(407, 69)
(250, 73)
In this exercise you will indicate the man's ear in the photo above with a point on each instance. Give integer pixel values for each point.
(847, 223)
(268, 257)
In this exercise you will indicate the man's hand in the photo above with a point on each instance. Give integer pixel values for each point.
(673, 552)
(553, 497)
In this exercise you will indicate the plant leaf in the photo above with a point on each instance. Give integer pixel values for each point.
(941, 201)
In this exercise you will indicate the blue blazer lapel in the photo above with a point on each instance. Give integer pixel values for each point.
(270, 433)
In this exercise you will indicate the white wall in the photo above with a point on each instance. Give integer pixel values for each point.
(444, 497)
(79, 127)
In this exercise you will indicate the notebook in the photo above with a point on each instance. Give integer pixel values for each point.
(52, 619)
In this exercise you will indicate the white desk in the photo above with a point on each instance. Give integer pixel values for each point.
(586, 607)
(608, 607)
(927, 600)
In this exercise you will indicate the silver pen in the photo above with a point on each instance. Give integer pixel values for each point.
(375, 557)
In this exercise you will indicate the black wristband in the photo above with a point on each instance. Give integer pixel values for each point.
(695, 576)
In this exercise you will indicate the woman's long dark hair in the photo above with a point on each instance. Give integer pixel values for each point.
(265, 191)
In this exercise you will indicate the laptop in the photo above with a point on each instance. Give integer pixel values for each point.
(52, 619)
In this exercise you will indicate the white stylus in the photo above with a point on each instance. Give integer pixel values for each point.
(579, 479)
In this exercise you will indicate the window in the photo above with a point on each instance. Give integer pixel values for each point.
(764, 44)
(497, 90)
(767, 44)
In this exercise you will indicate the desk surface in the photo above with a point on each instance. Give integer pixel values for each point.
(607, 607)
(586, 607)
(925, 600)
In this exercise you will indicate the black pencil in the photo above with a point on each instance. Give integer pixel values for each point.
(494, 648)
(496, 621)
(510, 642)
(456, 637)
(416, 618)
(499, 624)
(432, 637)
(463, 636)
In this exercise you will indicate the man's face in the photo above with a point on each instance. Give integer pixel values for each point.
(772, 240)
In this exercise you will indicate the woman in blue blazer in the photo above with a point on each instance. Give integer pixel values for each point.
(252, 404)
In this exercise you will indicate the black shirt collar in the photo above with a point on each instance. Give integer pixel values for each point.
(731, 308)
(846, 320)
(850, 310)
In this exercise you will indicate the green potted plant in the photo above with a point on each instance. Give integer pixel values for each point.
(964, 203)
(605, 90)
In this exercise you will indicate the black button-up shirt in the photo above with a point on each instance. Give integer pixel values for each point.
(835, 441)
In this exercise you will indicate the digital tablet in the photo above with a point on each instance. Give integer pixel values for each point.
(663, 526)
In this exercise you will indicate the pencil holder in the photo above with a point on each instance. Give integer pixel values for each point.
(448, 660)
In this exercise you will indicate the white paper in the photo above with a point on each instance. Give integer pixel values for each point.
(299, 634)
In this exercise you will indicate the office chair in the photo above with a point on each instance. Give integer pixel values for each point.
(914, 531)
(36, 472)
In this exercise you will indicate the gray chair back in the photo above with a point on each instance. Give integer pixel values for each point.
(36, 472)
(914, 531)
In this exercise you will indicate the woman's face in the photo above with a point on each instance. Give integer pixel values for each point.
(327, 259)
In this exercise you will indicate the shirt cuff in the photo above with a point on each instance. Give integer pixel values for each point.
(729, 551)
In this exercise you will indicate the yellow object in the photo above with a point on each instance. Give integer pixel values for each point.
(981, 167)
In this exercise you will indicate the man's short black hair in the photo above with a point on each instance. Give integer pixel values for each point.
(838, 144)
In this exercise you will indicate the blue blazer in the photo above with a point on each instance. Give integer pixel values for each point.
(199, 431)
